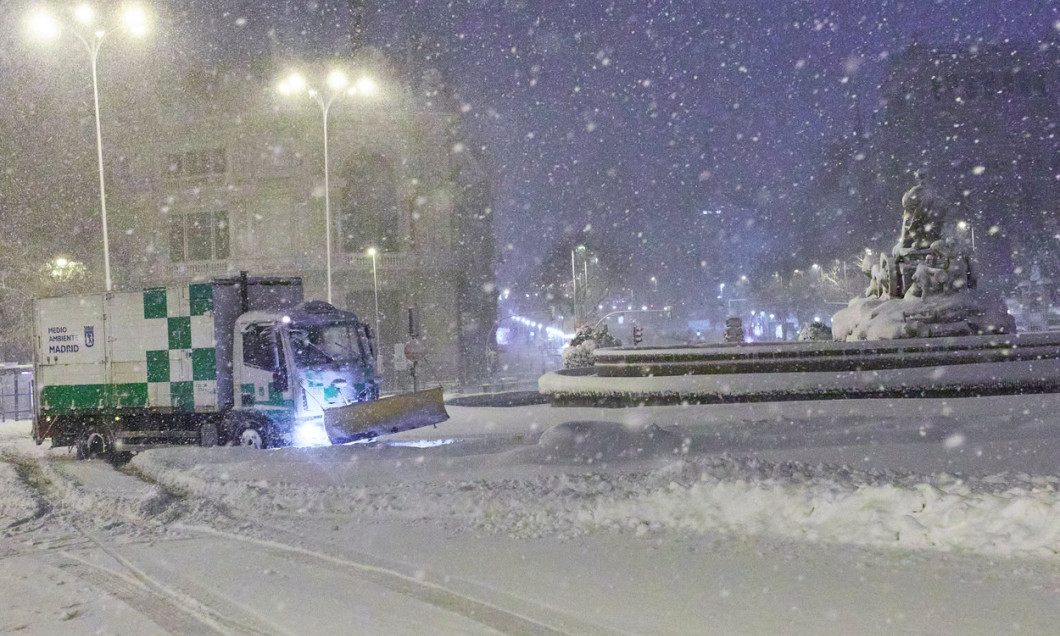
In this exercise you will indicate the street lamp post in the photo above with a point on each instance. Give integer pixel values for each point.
(574, 281)
(337, 82)
(574, 288)
(375, 288)
(44, 25)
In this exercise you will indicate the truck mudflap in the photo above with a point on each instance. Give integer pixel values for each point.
(384, 416)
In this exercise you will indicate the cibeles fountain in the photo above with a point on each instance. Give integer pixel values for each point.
(923, 328)
(925, 287)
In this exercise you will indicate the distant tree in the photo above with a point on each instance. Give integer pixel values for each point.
(597, 273)
(579, 353)
(23, 279)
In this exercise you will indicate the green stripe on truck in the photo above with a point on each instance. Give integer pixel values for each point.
(93, 396)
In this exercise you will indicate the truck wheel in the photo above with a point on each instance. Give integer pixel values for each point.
(251, 438)
(93, 445)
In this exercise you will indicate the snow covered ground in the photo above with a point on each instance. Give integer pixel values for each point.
(829, 517)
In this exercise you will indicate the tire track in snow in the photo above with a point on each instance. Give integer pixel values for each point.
(81, 493)
(154, 598)
(74, 495)
(26, 477)
(420, 589)
(160, 610)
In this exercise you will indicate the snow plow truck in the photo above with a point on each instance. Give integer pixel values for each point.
(241, 360)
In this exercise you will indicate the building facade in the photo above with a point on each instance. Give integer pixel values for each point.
(227, 175)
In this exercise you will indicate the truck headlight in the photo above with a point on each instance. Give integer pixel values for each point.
(310, 433)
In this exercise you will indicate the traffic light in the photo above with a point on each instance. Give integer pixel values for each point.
(638, 334)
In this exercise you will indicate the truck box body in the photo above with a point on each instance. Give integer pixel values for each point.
(160, 350)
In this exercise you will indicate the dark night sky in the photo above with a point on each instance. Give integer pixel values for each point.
(630, 118)
(620, 122)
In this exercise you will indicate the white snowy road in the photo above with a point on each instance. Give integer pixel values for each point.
(916, 516)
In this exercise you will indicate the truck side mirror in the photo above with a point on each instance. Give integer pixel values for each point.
(279, 373)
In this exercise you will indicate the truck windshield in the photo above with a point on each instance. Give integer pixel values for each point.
(325, 344)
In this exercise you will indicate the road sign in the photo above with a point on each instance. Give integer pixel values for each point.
(415, 350)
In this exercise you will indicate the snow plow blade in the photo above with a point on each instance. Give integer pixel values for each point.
(387, 415)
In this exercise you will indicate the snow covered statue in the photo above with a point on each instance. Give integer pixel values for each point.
(925, 287)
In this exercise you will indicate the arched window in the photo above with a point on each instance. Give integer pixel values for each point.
(369, 215)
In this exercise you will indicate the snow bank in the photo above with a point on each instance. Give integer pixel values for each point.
(1005, 515)
(573, 479)
(589, 476)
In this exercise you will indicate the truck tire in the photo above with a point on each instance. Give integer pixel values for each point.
(93, 445)
(245, 429)
(251, 437)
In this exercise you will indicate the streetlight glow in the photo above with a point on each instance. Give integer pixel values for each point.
(337, 80)
(85, 14)
(965, 226)
(294, 83)
(44, 26)
(135, 21)
(366, 86)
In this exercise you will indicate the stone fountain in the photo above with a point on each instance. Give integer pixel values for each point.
(925, 287)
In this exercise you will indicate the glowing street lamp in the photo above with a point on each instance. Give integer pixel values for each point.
(338, 84)
(45, 26)
(63, 269)
(965, 226)
(375, 287)
(366, 86)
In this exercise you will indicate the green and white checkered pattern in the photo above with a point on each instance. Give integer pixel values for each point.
(181, 358)
(152, 349)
